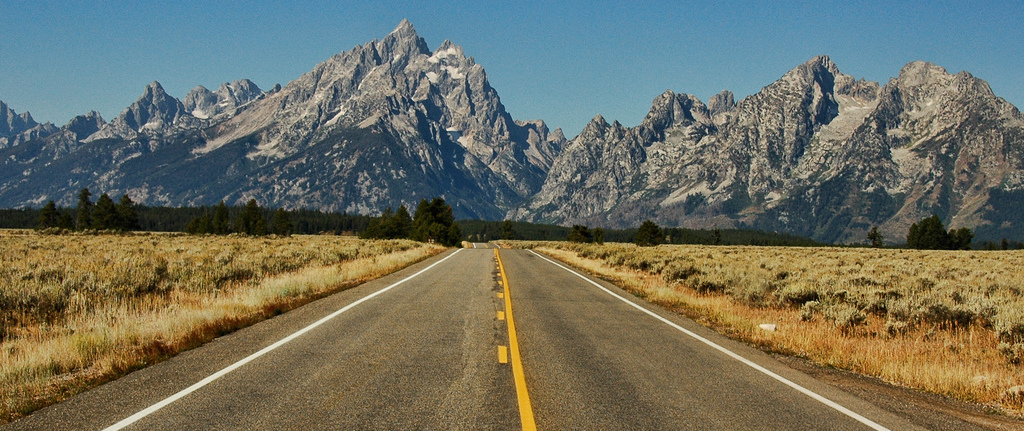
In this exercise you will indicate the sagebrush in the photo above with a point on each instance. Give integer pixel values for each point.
(77, 310)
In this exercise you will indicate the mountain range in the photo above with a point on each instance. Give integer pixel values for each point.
(816, 153)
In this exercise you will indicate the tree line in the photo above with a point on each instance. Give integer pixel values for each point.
(128, 216)
(250, 221)
(432, 222)
(102, 215)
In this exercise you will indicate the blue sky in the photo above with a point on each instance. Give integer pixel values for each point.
(562, 62)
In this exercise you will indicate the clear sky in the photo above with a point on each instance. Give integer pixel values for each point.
(560, 61)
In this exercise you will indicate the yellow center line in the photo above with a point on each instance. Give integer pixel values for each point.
(525, 408)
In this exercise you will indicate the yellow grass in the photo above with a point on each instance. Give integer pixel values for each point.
(79, 310)
(940, 321)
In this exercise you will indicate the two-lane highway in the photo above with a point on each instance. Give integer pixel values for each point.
(593, 361)
(421, 355)
(429, 348)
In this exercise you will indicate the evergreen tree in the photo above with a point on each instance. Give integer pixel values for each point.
(105, 215)
(579, 233)
(875, 237)
(960, 239)
(48, 216)
(220, 224)
(281, 225)
(388, 229)
(433, 222)
(454, 235)
(598, 235)
(84, 220)
(913, 236)
(402, 222)
(251, 222)
(128, 216)
(65, 221)
(507, 231)
(198, 225)
(930, 234)
(649, 234)
(372, 230)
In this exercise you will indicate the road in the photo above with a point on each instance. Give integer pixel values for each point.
(429, 348)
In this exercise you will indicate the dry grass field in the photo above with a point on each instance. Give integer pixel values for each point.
(79, 310)
(948, 322)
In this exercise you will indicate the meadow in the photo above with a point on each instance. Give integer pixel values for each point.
(78, 310)
(947, 322)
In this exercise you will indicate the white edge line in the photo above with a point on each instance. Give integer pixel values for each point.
(153, 408)
(731, 354)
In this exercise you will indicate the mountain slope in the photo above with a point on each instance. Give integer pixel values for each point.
(386, 123)
(816, 153)
(389, 122)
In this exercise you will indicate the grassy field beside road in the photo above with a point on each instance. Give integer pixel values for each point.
(948, 322)
(79, 310)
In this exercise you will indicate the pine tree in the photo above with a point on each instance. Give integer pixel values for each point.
(281, 225)
(875, 237)
(105, 216)
(403, 223)
(220, 225)
(598, 236)
(48, 216)
(507, 231)
(65, 221)
(649, 234)
(960, 239)
(127, 214)
(579, 233)
(388, 230)
(914, 236)
(930, 234)
(433, 222)
(251, 222)
(84, 220)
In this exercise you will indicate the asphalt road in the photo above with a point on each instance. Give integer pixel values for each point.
(426, 354)
(419, 356)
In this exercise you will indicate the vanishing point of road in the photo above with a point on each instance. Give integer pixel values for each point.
(472, 339)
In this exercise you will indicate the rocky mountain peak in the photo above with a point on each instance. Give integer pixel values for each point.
(918, 73)
(155, 109)
(674, 110)
(203, 103)
(238, 92)
(200, 102)
(12, 123)
(84, 125)
(721, 103)
(402, 41)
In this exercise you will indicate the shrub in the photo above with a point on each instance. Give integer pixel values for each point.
(798, 294)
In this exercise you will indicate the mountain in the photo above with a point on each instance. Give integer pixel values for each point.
(815, 153)
(203, 103)
(384, 124)
(17, 128)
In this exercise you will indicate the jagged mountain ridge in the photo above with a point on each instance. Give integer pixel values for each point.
(816, 153)
(388, 122)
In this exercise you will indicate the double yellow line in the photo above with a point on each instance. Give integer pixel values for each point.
(525, 408)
